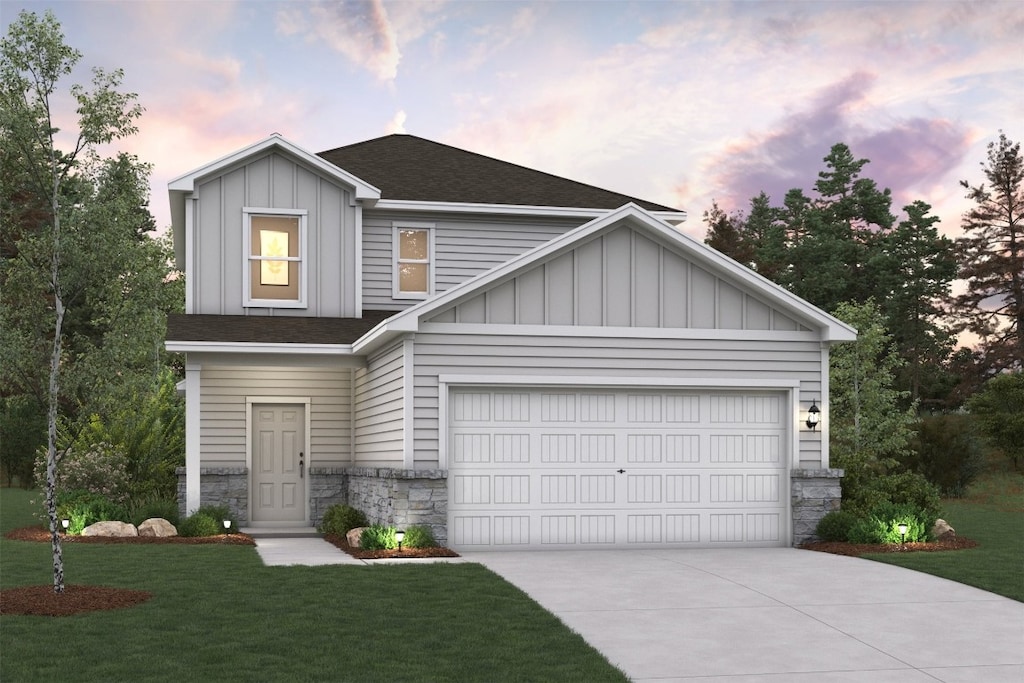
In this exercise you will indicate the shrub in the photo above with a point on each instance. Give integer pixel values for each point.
(882, 525)
(419, 537)
(998, 417)
(377, 537)
(947, 453)
(836, 525)
(340, 519)
(905, 489)
(99, 469)
(154, 506)
(83, 508)
(208, 520)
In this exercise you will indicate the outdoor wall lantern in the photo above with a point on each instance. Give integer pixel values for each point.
(813, 416)
(399, 536)
(903, 533)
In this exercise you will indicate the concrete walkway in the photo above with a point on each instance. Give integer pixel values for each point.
(772, 615)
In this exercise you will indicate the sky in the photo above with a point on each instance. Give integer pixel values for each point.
(681, 103)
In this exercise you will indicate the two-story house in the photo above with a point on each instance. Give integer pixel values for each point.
(514, 358)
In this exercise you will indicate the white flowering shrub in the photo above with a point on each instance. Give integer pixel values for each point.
(101, 469)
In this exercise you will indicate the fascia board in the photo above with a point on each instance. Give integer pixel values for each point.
(252, 347)
(671, 217)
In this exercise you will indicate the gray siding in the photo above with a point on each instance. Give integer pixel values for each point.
(620, 279)
(273, 181)
(380, 415)
(437, 354)
(465, 247)
(223, 399)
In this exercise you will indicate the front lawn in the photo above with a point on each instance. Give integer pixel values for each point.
(218, 614)
(993, 515)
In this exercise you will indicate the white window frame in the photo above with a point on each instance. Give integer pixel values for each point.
(247, 299)
(396, 229)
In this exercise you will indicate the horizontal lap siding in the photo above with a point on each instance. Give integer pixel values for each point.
(380, 416)
(465, 247)
(224, 391)
(438, 354)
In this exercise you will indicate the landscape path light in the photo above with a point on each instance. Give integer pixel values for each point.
(903, 533)
(399, 536)
(65, 523)
(227, 526)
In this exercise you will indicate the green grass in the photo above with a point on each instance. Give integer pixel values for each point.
(993, 515)
(218, 614)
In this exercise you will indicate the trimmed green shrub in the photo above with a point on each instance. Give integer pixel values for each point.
(155, 506)
(419, 537)
(340, 519)
(83, 508)
(208, 520)
(377, 537)
(836, 525)
(882, 525)
(905, 489)
(947, 453)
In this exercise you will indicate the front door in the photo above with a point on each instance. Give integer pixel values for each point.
(278, 463)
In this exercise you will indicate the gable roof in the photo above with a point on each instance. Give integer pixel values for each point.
(406, 167)
(831, 328)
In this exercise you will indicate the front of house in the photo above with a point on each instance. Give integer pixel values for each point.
(513, 358)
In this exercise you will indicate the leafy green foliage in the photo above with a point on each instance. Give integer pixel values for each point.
(947, 453)
(378, 537)
(101, 469)
(22, 434)
(906, 489)
(340, 519)
(83, 508)
(208, 520)
(419, 536)
(869, 429)
(998, 412)
(881, 525)
(836, 525)
(154, 506)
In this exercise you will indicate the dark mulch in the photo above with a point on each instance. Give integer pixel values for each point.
(44, 602)
(857, 549)
(340, 542)
(39, 534)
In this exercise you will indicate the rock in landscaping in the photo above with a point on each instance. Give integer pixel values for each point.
(157, 526)
(942, 531)
(110, 529)
(354, 536)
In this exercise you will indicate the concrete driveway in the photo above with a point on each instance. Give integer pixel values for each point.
(771, 615)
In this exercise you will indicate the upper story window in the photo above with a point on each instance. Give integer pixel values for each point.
(413, 251)
(275, 258)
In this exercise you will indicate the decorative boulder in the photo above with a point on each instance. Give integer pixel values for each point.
(110, 529)
(942, 531)
(355, 536)
(158, 527)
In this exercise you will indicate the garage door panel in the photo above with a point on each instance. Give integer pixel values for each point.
(616, 467)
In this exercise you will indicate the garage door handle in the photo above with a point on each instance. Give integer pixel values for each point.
(621, 471)
(301, 465)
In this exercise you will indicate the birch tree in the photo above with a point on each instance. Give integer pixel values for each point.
(34, 60)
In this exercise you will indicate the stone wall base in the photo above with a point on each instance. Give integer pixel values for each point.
(393, 497)
(815, 493)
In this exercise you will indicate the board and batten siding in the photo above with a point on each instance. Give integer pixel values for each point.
(380, 413)
(586, 357)
(224, 391)
(273, 181)
(620, 279)
(464, 247)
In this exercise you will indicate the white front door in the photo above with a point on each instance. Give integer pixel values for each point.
(278, 463)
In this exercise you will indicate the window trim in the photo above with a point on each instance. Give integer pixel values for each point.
(248, 212)
(396, 230)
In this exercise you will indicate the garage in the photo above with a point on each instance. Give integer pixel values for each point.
(569, 467)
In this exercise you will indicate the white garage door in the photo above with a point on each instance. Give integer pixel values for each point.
(553, 468)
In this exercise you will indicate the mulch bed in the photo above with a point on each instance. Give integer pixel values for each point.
(407, 553)
(34, 533)
(858, 549)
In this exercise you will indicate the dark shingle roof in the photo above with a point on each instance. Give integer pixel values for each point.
(412, 168)
(271, 330)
